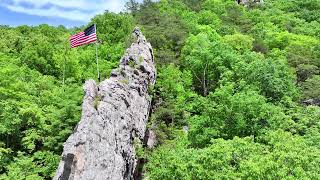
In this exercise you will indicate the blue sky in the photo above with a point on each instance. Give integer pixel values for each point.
(69, 13)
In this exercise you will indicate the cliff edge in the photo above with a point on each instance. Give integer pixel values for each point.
(114, 116)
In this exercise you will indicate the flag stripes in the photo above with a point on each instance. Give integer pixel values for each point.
(87, 36)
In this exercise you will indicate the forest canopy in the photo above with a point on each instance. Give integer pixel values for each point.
(227, 102)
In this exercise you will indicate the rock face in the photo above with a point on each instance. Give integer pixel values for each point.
(114, 118)
(248, 2)
(313, 102)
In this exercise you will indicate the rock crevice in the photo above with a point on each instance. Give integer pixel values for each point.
(114, 113)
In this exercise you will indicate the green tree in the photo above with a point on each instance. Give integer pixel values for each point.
(235, 114)
(207, 57)
(311, 88)
(239, 42)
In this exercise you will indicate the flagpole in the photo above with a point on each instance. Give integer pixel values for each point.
(64, 66)
(97, 59)
(64, 70)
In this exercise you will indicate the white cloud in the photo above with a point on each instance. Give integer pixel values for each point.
(79, 10)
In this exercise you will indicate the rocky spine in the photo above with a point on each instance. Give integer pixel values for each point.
(114, 118)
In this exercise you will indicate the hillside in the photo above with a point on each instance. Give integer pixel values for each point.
(227, 104)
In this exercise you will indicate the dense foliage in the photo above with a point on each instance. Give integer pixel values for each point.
(227, 100)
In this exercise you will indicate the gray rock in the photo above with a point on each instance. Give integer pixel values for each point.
(312, 102)
(152, 140)
(185, 129)
(114, 113)
(249, 2)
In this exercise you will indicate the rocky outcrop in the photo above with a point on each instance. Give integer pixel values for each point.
(312, 102)
(249, 2)
(114, 118)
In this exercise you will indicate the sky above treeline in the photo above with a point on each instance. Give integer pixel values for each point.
(69, 13)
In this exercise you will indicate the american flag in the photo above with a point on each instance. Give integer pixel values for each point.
(86, 37)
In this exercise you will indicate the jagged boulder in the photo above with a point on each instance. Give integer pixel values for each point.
(114, 116)
(249, 2)
(312, 102)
